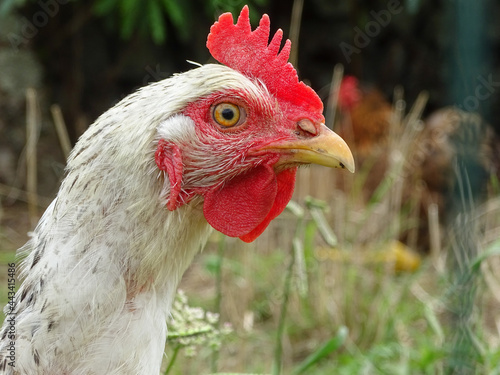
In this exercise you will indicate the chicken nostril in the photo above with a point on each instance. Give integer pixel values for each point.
(306, 127)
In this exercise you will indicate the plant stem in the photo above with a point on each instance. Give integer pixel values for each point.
(295, 30)
(278, 351)
(32, 134)
(218, 293)
(172, 360)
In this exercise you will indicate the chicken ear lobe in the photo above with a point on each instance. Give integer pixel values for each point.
(243, 203)
(168, 158)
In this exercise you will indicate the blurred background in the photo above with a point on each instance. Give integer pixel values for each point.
(389, 271)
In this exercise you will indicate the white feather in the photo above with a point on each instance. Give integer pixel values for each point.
(105, 260)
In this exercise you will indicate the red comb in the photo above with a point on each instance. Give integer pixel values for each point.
(247, 51)
(349, 93)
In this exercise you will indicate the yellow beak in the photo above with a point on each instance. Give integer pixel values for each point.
(325, 148)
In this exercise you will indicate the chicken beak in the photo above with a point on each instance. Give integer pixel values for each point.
(324, 148)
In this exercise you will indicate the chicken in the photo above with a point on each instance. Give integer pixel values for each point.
(365, 123)
(365, 117)
(446, 137)
(215, 147)
(451, 136)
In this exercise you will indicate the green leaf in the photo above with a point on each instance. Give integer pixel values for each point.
(260, 2)
(103, 7)
(129, 12)
(309, 244)
(492, 250)
(174, 12)
(7, 6)
(329, 347)
(156, 22)
(495, 185)
(323, 227)
(314, 202)
(7, 257)
(179, 16)
(212, 262)
(295, 209)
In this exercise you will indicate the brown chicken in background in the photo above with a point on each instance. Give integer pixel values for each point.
(365, 122)
(366, 115)
(369, 123)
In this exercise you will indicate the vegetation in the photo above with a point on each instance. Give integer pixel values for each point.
(329, 288)
(326, 289)
(316, 295)
(148, 18)
(296, 307)
(350, 317)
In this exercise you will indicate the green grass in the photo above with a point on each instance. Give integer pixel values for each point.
(6, 257)
(356, 311)
(342, 317)
(394, 324)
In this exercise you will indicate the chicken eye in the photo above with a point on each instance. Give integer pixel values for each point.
(226, 114)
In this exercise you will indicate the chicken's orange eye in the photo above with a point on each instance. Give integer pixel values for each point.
(226, 114)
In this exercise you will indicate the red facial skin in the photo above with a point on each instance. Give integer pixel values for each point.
(255, 186)
(243, 205)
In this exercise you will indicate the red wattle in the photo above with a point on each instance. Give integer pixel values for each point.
(286, 184)
(244, 202)
(245, 205)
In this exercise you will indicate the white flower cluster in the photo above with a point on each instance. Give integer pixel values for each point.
(190, 327)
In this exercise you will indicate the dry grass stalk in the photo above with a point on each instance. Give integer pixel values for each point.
(21, 195)
(61, 129)
(381, 217)
(435, 237)
(32, 130)
(333, 96)
(298, 5)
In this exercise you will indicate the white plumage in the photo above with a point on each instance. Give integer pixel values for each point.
(107, 256)
(142, 185)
